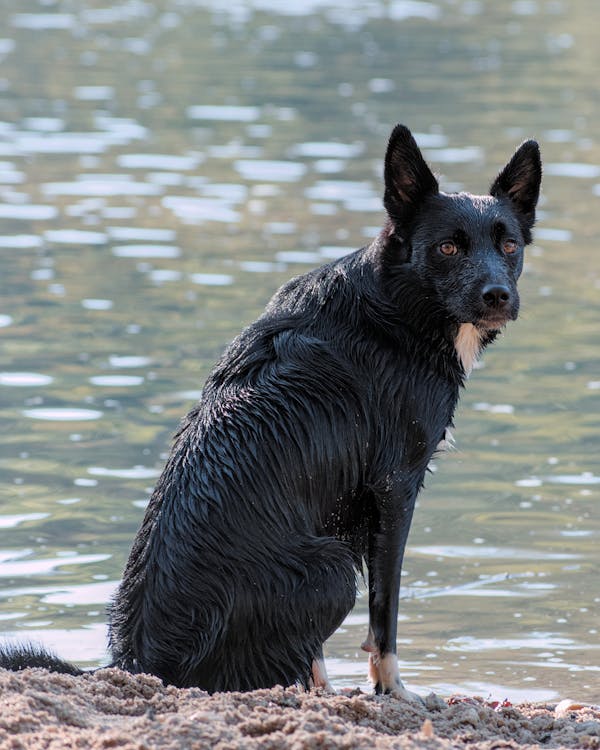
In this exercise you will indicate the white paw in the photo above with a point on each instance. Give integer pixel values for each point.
(385, 675)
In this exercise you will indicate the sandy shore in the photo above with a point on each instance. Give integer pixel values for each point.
(112, 709)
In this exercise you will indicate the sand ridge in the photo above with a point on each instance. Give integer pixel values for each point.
(113, 709)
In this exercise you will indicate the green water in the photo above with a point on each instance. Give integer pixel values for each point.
(165, 166)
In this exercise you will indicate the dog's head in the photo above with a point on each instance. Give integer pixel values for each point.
(467, 249)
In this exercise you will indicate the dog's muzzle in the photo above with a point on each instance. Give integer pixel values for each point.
(498, 306)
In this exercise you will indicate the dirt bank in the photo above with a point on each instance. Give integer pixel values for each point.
(112, 709)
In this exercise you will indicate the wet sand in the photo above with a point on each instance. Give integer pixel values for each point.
(112, 709)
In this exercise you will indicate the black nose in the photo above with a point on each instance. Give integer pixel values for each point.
(495, 295)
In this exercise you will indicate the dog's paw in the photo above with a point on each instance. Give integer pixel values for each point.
(384, 673)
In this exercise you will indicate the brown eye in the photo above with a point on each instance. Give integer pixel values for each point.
(509, 247)
(448, 248)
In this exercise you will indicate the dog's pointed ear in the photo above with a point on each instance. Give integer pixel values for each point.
(520, 182)
(408, 179)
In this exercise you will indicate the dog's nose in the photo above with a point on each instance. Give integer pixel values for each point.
(495, 295)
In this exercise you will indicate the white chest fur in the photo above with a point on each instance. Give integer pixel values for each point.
(468, 345)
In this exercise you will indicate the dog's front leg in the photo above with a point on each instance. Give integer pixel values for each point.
(388, 531)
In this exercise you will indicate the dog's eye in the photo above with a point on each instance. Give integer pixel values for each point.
(448, 248)
(509, 247)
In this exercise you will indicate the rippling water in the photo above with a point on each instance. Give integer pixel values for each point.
(164, 167)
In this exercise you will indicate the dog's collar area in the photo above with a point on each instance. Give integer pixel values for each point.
(468, 346)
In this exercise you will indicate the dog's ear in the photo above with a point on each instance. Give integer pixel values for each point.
(520, 182)
(408, 179)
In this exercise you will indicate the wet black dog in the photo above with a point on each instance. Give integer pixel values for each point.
(309, 446)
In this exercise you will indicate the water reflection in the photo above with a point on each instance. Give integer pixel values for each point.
(29, 212)
(146, 251)
(9, 522)
(24, 379)
(13, 567)
(63, 414)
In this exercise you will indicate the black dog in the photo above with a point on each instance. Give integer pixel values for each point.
(309, 446)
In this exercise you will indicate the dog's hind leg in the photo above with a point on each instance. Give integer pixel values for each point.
(276, 637)
(323, 594)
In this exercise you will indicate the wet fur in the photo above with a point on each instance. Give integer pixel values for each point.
(305, 455)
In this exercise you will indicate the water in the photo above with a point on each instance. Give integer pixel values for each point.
(165, 167)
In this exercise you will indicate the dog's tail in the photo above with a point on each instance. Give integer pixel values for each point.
(23, 656)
